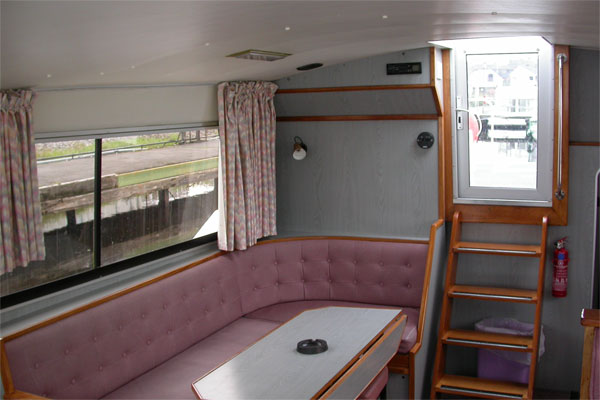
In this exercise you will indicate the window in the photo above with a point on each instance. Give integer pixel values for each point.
(157, 191)
(503, 134)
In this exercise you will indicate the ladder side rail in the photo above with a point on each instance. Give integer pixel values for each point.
(538, 307)
(440, 354)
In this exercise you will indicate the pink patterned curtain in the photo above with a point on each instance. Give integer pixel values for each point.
(21, 233)
(247, 167)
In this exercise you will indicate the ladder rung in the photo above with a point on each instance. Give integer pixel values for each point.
(486, 340)
(493, 293)
(505, 249)
(476, 387)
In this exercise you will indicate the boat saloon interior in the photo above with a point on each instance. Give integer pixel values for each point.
(299, 199)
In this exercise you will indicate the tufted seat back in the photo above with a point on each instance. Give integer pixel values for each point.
(375, 272)
(91, 352)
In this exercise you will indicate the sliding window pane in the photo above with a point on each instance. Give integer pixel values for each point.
(157, 190)
(66, 185)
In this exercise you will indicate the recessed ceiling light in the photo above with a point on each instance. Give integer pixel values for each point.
(101, 73)
(133, 67)
(207, 44)
(49, 76)
(384, 16)
(259, 55)
(287, 28)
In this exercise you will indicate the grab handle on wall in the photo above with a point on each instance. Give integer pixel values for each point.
(560, 194)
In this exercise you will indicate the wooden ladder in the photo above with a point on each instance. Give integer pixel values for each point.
(465, 386)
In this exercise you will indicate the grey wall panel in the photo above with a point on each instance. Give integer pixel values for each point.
(368, 71)
(584, 89)
(377, 102)
(560, 318)
(365, 178)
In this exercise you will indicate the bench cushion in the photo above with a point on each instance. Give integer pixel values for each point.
(283, 312)
(173, 379)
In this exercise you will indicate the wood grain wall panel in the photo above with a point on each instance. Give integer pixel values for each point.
(585, 73)
(362, 178)
(376, 102)
(367, 71)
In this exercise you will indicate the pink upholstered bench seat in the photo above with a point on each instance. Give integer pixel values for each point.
(173, 378)
(282, 312)
(153, 340)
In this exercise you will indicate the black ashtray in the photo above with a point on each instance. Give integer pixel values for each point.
(311, 346)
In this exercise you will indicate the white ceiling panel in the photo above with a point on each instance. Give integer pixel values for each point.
(96, 43)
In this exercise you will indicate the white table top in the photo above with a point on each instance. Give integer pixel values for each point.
(272, 368)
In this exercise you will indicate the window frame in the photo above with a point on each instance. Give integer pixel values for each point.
(464, 192)
(102, 271)
(558, 213)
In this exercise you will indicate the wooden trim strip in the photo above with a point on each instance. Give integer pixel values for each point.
(590, 320)
(436, 101)
(441, 169)
(383, 117)
(364, 239)
(353, 88)
(424, 295)
(590, 317)
(18, 394)
(7, 381)
(446, 140)
(572, 143)
(422, 308)
(589, 334)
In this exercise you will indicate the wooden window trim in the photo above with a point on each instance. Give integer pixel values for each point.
(557, 214)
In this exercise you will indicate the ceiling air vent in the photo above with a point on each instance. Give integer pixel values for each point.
(259, 55)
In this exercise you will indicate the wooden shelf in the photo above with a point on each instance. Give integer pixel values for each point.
(486, 340)
(493, 293)
(482, 388)
(503, 249)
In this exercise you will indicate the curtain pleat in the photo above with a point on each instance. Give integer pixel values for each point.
(21, 231)
(247, 132)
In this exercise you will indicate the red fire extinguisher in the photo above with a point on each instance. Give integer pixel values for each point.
(561, 264)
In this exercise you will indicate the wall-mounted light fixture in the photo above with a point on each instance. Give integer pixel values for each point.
(300, 149)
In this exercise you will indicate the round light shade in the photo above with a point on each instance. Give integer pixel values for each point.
(299, 154)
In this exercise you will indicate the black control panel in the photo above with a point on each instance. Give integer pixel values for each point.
(403, 68)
